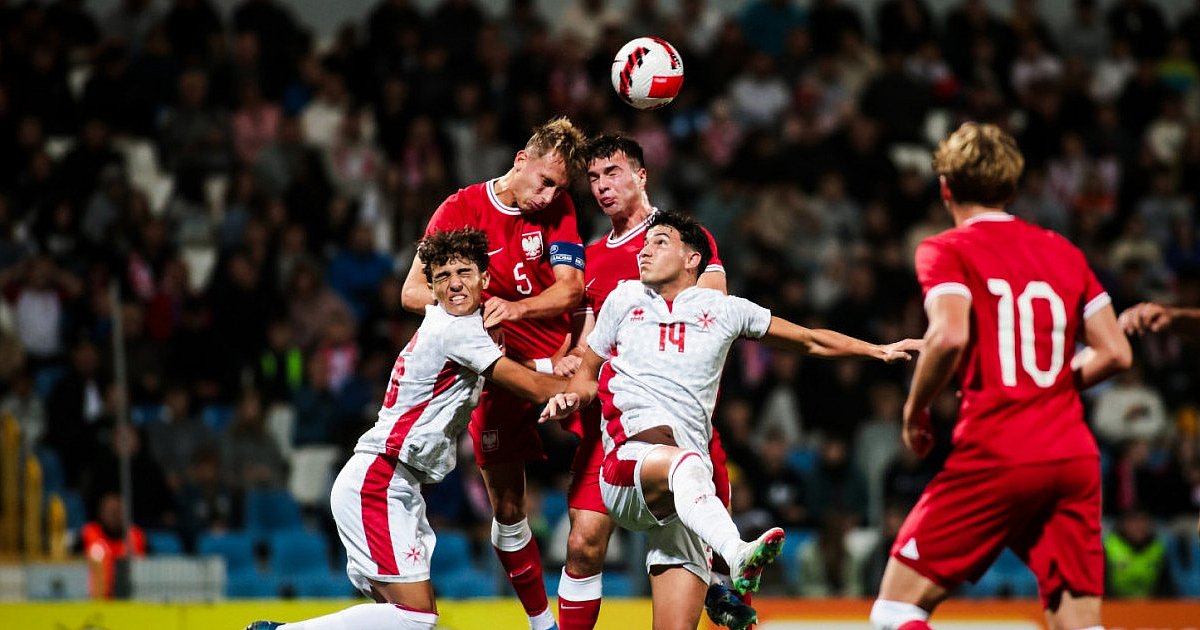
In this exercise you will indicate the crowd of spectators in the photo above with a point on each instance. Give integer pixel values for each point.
(254, 193)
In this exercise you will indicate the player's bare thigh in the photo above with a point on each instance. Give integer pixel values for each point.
(417, 595)
(677, 596)
(656, 468)
(903, 584)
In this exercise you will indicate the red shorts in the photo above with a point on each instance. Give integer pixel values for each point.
(584, 493)
(504, 428)
(1047, 513)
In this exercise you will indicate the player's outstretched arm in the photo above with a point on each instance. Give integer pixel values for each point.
(580, 391)
(416, 294)
(524, 382)
(1153, 317)
(945, 341)
(1107, 351)
(831, 344)
(556, 299)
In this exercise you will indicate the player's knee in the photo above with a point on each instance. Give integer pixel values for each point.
(891, 615)
(586, 548)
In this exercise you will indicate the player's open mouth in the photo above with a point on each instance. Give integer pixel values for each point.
(458, 299)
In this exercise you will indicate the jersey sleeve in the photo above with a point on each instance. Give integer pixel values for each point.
(1095, 298)
(714, 263)
(566, 246)
(749, 319)
(940, 271)
(468, 344)
(603, 338)
(453, 214)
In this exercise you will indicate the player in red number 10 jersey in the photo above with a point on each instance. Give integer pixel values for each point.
(536, 269)
(1006, 301)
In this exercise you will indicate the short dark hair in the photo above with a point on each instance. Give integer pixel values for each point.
(469, 244)
(609, 144)
(690, 232)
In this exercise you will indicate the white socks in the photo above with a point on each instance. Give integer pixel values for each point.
(580, 589)
(542, 621)
(889, 615)
(511, 537)
(369, 617)
(696, 503)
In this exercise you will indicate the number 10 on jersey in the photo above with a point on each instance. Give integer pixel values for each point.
(1007, 321)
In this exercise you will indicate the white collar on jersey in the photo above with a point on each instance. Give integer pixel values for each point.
(499, 205)
(641, 227)
(993, 217)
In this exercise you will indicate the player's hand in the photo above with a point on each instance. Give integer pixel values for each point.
(567, 365)
(560, 406)
(902, 350)
(1143, 318)
(918, 431)
(497, 310)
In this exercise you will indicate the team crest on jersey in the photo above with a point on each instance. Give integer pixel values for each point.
(489, 441)
(638, 314)
(705, 320)
(531, 244)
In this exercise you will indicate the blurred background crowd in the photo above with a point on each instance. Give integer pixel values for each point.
(256, 190)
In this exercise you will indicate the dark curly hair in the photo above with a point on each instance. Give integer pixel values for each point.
(439, 248)
(690, 232)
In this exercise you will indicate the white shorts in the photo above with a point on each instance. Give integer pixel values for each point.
(380, 518)
(668, 542)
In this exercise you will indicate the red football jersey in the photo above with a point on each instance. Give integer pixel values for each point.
(1030, 293)
(520, 254)
(613, 261)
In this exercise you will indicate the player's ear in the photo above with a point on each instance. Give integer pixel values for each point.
(519, 159)
(484, 280)
(944, 188)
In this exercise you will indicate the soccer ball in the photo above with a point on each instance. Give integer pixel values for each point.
(647, 73)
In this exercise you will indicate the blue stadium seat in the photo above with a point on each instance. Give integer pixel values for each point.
(554, 506)
(802, 460)
(269, 511)
(54, 476)
(76, 510)
(1007, 577)
(143, 415)
(45, 379)
(464, 584)
(618, 584)
(789, 557)
(217, 417)
(164, 542)
(1183, 563)
(550, 580)
(451, 553)
(328, 585)
(251, 585)
(298, 553)
(235, 547)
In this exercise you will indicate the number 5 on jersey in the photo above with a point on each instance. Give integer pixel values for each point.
(1006, 321)
(672, 334)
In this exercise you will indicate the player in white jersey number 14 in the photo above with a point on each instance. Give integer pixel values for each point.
(655, 359)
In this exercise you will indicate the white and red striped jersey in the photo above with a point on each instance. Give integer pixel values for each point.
(665, 359)
(432, 390)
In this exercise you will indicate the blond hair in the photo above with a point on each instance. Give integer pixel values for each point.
(981, 164)
(562, 137)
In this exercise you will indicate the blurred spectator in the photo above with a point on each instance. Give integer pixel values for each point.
(777, 486)
(24, 405)
(108, 539)
(903, 25)
(311, 305)
(206, 503)
(178, 436)
(584, 18)
(73, 408)
(250, 458)
(1141, 23)
(191, 25)
(277, 34)
(876, 443)
(153, 501)
(828, 567)
(316, 405)
(834, 486)
(130, 21)
(830, 22)
(905, 478)
(40, 294)
(876, 559)
(1136, 559)
(279, 372)
(195, 137)
(701, 21)
(771, 22)
(255, 123)
(1084, 36)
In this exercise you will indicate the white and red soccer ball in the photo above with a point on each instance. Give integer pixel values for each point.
(647, 72)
